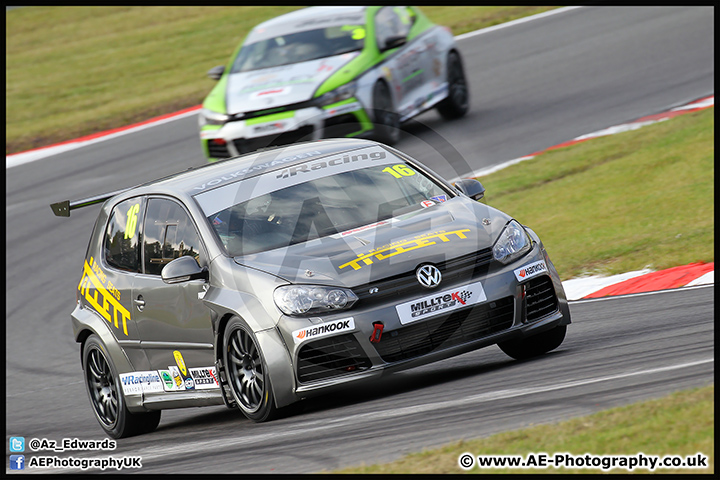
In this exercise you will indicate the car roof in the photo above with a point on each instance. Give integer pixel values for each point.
(306, 19)
(202, 179)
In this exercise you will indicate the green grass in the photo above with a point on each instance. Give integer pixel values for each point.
(679, 424)
(74, 71)
(619, 203)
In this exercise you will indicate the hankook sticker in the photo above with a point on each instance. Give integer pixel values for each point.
(323, 330)
(529, 271)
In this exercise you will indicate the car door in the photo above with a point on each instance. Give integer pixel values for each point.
(106, 284)
(408, 65)
(173, 323)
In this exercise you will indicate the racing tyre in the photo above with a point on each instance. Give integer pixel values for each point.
(457, 102)
(247, 373)
(387, 121)
(536, 345)
(103, 387)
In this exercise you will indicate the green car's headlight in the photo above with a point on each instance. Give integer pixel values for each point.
(308, 299)
(513, 243)
(338, 95)
(209, 117)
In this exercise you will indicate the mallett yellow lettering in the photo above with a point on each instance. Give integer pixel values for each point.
(93, 289)
(396, 248)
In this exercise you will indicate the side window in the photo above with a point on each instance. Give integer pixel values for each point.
(169, 233)
(391, 22)
(121, 236)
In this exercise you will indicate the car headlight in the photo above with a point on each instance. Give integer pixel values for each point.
(209, 117)
(513, 243)
(337, 95)
(308, 299)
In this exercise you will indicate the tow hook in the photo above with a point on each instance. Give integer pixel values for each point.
(377, 332)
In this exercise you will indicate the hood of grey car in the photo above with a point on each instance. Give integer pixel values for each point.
(276, 86)
(367, 254)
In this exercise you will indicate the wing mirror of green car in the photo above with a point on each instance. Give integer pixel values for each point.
(394, 42)
(216, 72)
(183, 269)
(471, 188)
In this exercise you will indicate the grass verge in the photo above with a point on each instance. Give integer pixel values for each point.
(619, 203)
(679, 424)
(73, 71)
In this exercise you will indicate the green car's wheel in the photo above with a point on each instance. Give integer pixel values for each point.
(104, 390)
(457, 102)
(247, 373)
(536, 345)
(387, 121)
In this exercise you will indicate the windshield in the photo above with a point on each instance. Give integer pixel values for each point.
(299, 47)
(329, 205)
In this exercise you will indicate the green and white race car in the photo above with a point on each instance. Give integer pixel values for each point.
(332, 72)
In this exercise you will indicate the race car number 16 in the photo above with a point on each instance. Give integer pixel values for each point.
(131, 221)
(399, 171)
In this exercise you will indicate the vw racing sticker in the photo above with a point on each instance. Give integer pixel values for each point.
(323, 330)
(441, 302)
(529, 271)
(137, 383)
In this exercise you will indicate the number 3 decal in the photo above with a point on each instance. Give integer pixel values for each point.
(399, 171)
(131, 224)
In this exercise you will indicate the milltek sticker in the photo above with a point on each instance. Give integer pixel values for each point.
(204, 377)
(441, 302)
(529, 271)
(199, 379)
(329, 328)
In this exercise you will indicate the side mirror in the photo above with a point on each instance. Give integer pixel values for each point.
(216, 72)
(394, 42)
(471, 188)
(183, 269)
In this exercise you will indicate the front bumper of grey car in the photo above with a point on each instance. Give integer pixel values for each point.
(377, 336)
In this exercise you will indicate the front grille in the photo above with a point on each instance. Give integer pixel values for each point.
(246, 145)
(341, 125)
(540, 298)
(269, 111)
(405, 284)
(329, 357)
(457, 328)
(217, 150)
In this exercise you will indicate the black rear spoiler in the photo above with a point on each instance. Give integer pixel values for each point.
(62, 209)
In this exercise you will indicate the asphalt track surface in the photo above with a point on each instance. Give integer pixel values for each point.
(533, 85)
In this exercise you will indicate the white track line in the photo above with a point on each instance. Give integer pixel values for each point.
(512, 23)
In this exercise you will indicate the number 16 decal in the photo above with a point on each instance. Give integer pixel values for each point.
(399, 171)
(131, 224)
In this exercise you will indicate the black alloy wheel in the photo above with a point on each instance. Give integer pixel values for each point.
(247, 373)
(106, 398)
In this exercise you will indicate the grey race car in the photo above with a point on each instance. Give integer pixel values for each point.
(264, 279)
